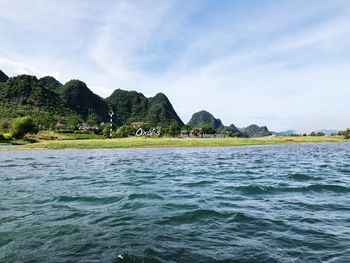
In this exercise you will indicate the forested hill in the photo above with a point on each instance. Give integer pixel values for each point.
(134, 106)
(204, 119)
(48, 102)
(24, 95)
(255, 131)
(79, 98)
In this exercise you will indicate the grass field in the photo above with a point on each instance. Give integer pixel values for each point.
(133, 142)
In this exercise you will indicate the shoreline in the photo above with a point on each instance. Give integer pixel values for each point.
(165, 142)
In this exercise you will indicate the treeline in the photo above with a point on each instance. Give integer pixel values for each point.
(345, 133)
(29, 104)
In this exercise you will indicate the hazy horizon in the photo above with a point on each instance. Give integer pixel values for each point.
(284, 65)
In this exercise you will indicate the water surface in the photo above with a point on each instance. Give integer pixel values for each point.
(280, 203)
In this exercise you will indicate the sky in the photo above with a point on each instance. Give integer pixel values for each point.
(283, 64)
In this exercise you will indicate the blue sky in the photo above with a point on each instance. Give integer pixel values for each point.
(284, 64)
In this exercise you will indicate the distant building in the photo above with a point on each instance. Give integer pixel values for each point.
(60, 126)
(86, 127)
(137, 124)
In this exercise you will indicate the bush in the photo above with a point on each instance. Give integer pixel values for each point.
(4, 125)
(2, 137)
(317, 134)
(346, 133)
(65, 131)
(125, 131)
(21, 126)
(105, 132)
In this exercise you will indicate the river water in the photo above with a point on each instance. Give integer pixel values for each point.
(281, 203)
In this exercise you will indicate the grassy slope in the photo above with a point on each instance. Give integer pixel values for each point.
(173, 142)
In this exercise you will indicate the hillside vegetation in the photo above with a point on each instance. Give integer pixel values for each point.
(49, 102)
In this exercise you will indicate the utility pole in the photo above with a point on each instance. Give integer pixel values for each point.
(111, 113)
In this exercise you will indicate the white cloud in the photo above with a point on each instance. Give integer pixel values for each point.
(284, 64)
(14, 68)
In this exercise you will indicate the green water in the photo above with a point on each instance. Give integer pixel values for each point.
(282, 203)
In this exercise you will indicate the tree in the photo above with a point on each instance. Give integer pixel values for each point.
(21, 126)
(125, 131)
(72, 120)
(208, 130)
(92, 119)
(4, 125)
(346, 133)
(317, 134)
(174, 128)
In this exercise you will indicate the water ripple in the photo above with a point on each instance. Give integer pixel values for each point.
(283, 203)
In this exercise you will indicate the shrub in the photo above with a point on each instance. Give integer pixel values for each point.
(2, 137)
(317, 134)
(21, 126)
(4, 125)
(125, 131)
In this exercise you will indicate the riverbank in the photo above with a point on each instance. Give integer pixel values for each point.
(140, 142)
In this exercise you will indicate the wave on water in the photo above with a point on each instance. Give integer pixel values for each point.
(89, 199)
(300, 177)
(192, 216)
(233, 204)
(255, 189)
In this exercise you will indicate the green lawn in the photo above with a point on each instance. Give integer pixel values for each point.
(174, 142)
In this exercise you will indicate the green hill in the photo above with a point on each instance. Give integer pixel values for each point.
(51, 83)
(24, 95)
(47, 99)
(161, 112)
(234, 129)
(79, 98)
(131, 106)
(255, 131)
(203, 119)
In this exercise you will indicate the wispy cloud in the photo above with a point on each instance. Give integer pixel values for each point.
(281, 64)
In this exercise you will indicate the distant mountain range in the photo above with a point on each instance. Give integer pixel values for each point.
(48, 101)
(294, 132)
(205, 119)
(286, 133)
(328, 131)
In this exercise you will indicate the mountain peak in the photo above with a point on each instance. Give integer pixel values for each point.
(50, 83)
(134, 106)
(254, 130)
(204, 119)
(3, 77)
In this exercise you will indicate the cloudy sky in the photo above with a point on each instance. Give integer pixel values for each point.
(284, 64)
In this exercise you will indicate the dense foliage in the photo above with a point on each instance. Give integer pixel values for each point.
(345, 133)
(21, 126)
(53, 105)
(51, 83)
(24, 95)
(125, 131)
(131, 106)
(204, 119)
(255, 131)
(79, 98)
(317, 134)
